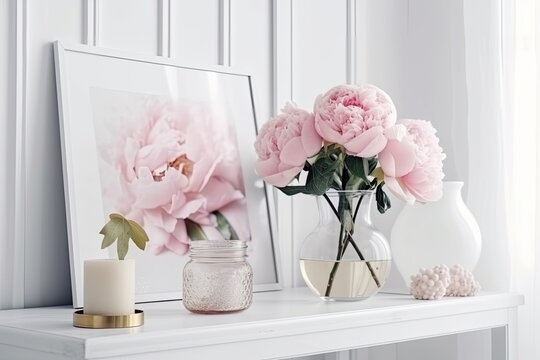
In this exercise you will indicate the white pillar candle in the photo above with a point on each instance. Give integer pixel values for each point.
(109, 287)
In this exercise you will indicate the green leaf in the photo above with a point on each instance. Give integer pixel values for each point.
(372, 164)
(354, 183)
(345, 176)
(195, 231)
(333, 149)
(322, 175)
(356, 166)
(115, 216)
(225, 227)
(138, 235)
(361, 167)
(383, 202)
(122, 229)
(111, 231)
(122, 246)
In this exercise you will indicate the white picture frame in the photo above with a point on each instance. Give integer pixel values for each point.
(105, 98)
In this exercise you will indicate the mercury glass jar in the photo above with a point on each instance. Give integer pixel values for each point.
(218, 278)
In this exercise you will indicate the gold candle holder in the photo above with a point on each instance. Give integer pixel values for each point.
(82, 320)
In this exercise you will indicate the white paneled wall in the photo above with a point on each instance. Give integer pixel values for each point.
(238, 33)
(319, 48)
(205, 19)
(131, 25)
(294, 49)
(249, 43)
(46, 271)
(7, 153)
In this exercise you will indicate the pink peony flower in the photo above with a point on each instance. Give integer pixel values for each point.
(399, 155)
(171, 170)
(355, 117)
(412, 161)
(284, 144)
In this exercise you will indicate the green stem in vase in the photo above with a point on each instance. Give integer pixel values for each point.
(343, 242)
(336, 265)
(353, 243)
(368, 264)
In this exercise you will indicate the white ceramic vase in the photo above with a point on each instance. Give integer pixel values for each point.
(442, 232)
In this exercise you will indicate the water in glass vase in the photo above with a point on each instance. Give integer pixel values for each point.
(352, 279)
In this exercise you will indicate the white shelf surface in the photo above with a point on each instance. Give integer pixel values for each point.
(281, 324)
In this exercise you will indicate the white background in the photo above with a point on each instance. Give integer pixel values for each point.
(295, 49)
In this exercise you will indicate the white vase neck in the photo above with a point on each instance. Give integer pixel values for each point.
(452, 188)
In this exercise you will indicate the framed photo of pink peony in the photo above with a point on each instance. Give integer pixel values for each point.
(168, 146)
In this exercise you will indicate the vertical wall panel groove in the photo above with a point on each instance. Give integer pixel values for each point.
(282, 92)
(360, 40)
(351, 41)
(8, 71)
(164, 28)
(225, 32)
(90, 19)
(19, 238)
(282, 49)
(97, 23)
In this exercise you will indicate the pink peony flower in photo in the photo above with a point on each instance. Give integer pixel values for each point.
(171, 171)
(355, 117)
(412, 161)
(284, 144)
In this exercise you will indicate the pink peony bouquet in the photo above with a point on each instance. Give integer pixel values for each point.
(351, 141)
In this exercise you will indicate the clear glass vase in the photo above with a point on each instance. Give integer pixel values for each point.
(218, 278)
(345, 257)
